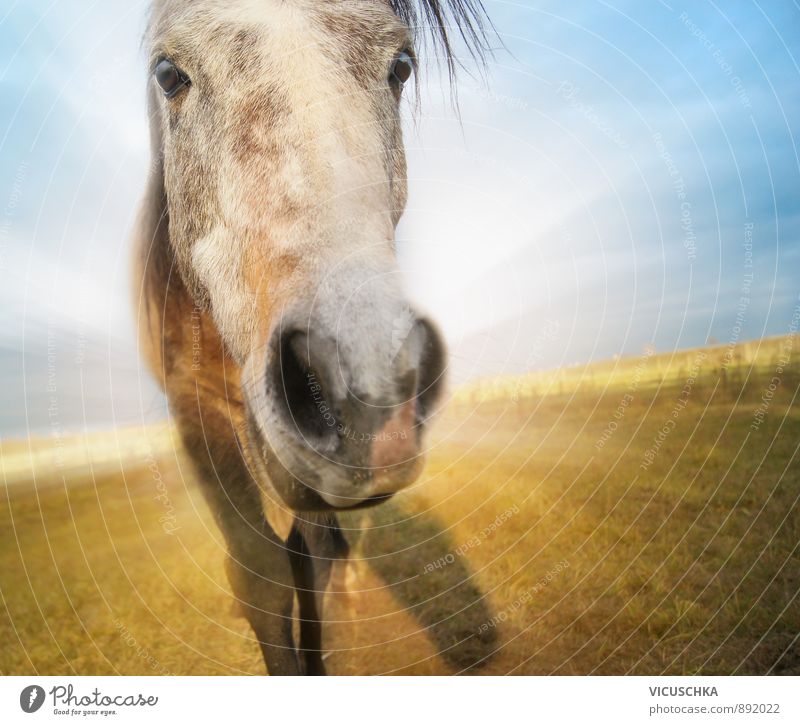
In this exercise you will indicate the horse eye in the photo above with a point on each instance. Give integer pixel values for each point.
(170, 78)
(401, 70)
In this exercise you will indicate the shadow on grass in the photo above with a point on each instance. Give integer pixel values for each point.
(421, 568)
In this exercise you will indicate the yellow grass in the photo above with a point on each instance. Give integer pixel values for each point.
(540, 539)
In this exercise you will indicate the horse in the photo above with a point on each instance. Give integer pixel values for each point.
(270, 310)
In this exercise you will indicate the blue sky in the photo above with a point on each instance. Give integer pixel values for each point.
(602, 181)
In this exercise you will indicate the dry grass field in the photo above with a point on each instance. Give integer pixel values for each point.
(611, 520)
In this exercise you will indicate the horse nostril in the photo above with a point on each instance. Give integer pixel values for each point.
(431, 369)
(299, 388)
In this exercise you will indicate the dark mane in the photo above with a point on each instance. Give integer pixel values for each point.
(438, 18)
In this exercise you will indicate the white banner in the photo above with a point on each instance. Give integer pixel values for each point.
(401, 700)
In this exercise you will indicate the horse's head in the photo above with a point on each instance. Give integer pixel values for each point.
(278, 140)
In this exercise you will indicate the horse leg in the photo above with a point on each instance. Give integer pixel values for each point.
(261, 577)
(259, 569)
(315, 541)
